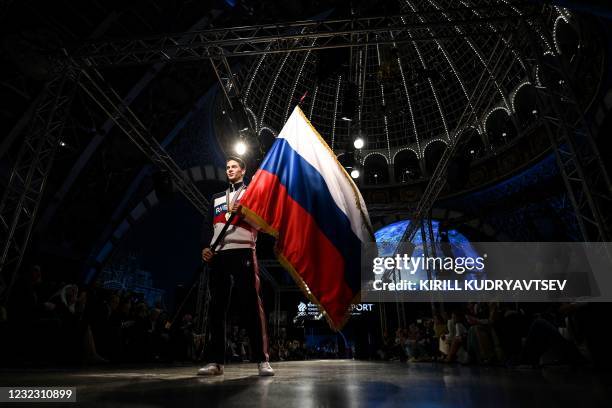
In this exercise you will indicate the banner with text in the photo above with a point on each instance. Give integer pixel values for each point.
(487, 271)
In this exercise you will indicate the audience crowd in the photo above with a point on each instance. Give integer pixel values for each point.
(46, 322)
(498, 334)
(49, 322)
(58, 322)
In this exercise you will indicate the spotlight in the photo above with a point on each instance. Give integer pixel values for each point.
(358, 143)
(472, 151)
(504, 134)
(355, 173)
(535, 112)
(346, 118)
(240, 148)
(62, 143)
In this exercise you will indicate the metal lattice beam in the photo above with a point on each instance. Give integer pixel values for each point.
(111, 103)
(581, 166)
(227, 80)
(23, 194)
(298, 36)
(100, 136)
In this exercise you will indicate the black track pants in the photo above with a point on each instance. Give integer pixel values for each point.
(234, 282)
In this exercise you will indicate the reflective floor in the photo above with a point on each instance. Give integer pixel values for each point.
(325, 383)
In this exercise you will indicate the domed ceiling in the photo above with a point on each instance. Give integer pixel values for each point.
(408, 100)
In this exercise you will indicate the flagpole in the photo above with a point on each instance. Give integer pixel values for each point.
(204, 266)
(223, 231)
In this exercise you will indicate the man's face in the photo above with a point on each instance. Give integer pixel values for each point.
(233, 171)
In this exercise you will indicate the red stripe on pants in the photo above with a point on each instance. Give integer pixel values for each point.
(260, 309)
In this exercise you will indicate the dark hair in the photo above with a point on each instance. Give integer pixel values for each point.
(237, 160)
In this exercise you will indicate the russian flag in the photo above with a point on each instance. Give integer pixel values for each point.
(304, 197)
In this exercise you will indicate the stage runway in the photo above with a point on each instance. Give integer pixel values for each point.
(323, 383)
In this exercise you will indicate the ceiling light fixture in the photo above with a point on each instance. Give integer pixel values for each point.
(240, 148)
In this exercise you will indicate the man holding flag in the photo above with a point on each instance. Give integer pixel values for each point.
(233, 272)
(305, 198)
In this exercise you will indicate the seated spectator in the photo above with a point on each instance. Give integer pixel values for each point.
(244, 345)
(453, 345)
(545, 345)
(75, 341)
(104, 331)
(481, 339)
(415, 344)
(139, 346)
(511, 327)
(439, 331)
(386, 349)
(232, 343)
(27, 314)
(399, 351)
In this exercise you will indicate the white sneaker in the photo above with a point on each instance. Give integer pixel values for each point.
(265, 369)
(211, 369)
